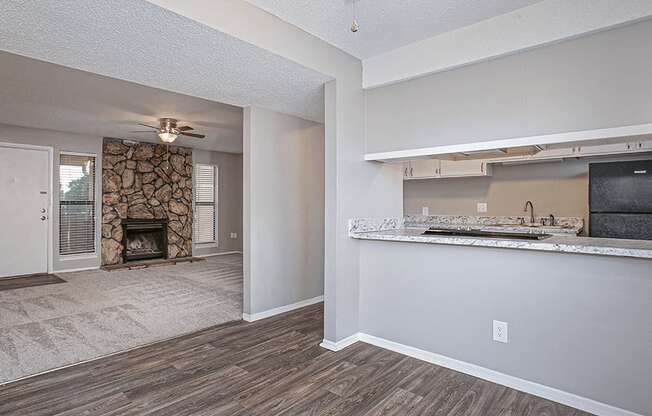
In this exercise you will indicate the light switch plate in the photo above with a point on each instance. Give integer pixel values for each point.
(234, 235)
(425, 211)
(482, 207)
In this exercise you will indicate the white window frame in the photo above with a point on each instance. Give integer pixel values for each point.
(215, 242)
(98, 213)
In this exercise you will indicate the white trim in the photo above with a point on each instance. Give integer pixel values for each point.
(50, 150)
(210, 244)
(530, 387)
(219, 254)
(557, 138)
(69, 153)
(80, 269)
(74, 257)
(340, 345)
(281, 309)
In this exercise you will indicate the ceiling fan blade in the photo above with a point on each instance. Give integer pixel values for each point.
(185, 128)
(199, 136)
(147, 125)
(141, 131)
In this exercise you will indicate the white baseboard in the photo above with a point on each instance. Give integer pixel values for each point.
(224, 253)
(281, 309)
(81, 269)
(340, 345)
(536, 389)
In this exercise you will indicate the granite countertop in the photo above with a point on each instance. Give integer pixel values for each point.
(563, 225)
(395, 230)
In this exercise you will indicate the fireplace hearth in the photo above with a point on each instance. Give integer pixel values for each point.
(144, 239)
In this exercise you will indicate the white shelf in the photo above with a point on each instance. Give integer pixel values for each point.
(585, 137)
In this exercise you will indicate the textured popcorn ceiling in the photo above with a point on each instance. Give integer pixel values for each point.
(42, 95)
(384, 24)
(136, 41)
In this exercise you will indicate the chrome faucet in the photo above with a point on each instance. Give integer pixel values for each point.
(531, 211)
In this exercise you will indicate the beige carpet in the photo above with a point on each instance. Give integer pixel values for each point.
(96, 313)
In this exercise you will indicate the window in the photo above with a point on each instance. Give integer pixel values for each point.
(76, 204)
(205, 203)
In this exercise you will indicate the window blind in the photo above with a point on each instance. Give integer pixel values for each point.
(205, 203)
(76, 204)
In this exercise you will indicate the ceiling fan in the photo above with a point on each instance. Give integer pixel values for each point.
(168, 130)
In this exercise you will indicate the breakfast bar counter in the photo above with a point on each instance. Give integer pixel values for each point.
(407, 230)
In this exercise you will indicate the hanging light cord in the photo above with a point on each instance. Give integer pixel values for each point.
(354, 26)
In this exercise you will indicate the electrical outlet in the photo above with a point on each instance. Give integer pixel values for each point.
(482, 207)
(425, 211)
(500, 331)
(234, 235)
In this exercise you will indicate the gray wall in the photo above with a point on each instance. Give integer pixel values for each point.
(230, 181)
(61, 142)
(354, 189)
(229, 201)
(597, 81)
(283, 210)
(559, 188)
(577, 323)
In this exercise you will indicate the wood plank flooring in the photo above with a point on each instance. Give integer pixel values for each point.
(270, 367)
(30, 280)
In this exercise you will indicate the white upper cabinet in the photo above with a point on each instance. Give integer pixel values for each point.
(590, 150)
(603, 149)
(420, 169)
(427, 169)
(458, 168)
(444, 168)
(644, 146)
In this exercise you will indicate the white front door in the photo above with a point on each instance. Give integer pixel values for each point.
(24, 210)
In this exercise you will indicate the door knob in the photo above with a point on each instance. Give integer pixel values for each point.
(43, 218)
(42, 210)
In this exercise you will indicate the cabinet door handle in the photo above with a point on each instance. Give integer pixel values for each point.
(406, 172)
(411, 172)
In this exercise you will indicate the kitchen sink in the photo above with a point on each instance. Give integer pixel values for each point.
(516, 225)
(489, 234)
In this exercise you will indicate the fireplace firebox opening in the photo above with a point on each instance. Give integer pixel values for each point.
(144, 239)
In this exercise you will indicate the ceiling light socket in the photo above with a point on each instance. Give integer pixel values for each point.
(355, 26)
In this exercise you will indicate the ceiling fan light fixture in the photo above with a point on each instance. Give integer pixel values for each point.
(168, 131)
(167, 136)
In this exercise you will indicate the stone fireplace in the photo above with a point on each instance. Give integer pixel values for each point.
(147, 201)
